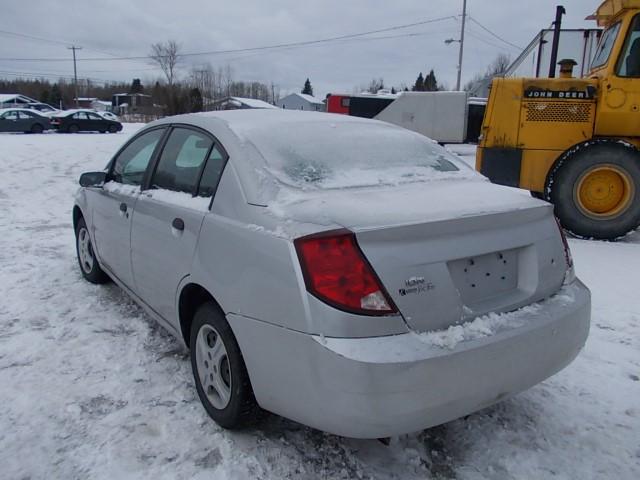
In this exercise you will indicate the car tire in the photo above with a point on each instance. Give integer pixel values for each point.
(37, 128)
(113, 129)
(73, 128)
(592, 178)
(219, 371)
(87, 261)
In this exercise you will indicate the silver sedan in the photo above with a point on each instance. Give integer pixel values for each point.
(341, 272)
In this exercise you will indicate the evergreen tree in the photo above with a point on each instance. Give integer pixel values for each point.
(136, 86)
(44, 96)
(308, 89)
(56, 96)
(430, 82)
(393, 90)
(419, 85)
(195, 100)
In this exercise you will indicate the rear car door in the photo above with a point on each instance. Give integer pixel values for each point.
(113, 205)
(96, 122)
(28, 120)
(169, 214)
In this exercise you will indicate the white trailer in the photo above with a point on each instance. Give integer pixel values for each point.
(441, 116)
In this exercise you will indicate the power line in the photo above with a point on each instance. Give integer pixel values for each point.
(494, 34)
(50, 40)
(52, 75)
(477, 36)
(250, 49)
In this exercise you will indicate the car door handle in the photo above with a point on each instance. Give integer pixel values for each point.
(178, 224)
(123, 207)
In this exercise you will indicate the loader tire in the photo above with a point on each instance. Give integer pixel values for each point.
(595, 189)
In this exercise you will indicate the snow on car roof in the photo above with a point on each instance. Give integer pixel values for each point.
(66, 113)
(18, 109)
(277, 148)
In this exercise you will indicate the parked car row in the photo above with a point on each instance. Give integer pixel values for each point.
(67, 121)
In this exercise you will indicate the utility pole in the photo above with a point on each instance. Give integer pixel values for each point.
(464, 16)
(449, 41)
(75, 70)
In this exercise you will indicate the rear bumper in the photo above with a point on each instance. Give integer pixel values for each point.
(382, 386)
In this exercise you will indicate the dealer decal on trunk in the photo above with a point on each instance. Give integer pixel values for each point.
(415, 285)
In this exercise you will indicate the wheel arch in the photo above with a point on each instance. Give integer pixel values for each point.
(564, 156)
(192, 296)
(77, 215)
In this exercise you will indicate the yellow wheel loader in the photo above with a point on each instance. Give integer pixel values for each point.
(575, 141)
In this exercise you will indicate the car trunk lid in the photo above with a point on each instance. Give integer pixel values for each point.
(449, 251)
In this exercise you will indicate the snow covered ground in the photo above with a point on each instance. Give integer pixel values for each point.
(90, 387)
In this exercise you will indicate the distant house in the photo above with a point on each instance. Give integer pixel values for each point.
(8, 100)
(301, 101)
(101, 105)
(84, 102)
(122, 103)
(238, 103)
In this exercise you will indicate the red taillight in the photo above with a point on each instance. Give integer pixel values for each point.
(336, 271)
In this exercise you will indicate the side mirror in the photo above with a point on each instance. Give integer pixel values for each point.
(93, 179)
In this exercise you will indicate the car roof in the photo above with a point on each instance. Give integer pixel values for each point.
(11, 109)
(66, 113)
(233, 128)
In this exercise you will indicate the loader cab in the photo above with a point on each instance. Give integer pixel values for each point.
(618, 53)
(616, 65)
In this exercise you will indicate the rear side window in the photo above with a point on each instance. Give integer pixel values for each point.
(131, 163)
(629, 63)
(212, 172)
(181, 160)
(605, 46)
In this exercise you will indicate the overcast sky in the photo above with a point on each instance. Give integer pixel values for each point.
(127, 28)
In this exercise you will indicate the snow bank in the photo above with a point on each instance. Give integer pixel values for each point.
(90, 387)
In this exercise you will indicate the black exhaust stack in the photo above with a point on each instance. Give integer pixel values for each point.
(556, 40)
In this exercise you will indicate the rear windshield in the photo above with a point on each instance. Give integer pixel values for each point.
(326, 155)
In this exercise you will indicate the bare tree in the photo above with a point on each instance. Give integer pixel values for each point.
(499, 65)
(167, 56)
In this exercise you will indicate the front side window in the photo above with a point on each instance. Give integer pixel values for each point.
(181, 160)
(94, 116)
(629, 63)
(605, 46)
(131, 164)
(212, 172)
(26, 115)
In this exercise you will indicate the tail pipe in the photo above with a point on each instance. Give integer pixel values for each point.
(556, 40)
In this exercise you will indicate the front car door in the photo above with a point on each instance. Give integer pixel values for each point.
(113, 205)
(10, 122)
(169, 214)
